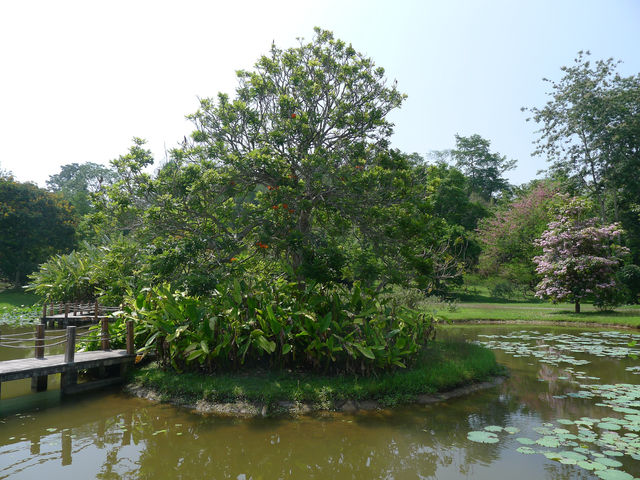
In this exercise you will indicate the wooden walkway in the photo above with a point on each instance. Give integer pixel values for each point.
(109, 363)
(41, 367)
(62, 315)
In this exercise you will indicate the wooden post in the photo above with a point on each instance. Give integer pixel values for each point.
(44, 311)
(40, 341)
(66, 448)
(104, 333)
(130, 345)
(39, 384)
(70, 351)
(35, 445)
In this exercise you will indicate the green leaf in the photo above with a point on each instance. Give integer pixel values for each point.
(366, 351)
(195, 354)
(266, 345)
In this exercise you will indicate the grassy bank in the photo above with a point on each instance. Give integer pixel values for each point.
(17, 307)
(442, 367)
(628, 316)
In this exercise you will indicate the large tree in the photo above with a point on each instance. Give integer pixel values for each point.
(34, 224)
(294, 176)
(590, 132)
(483, 168)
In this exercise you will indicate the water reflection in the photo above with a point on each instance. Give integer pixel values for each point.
(111, 436)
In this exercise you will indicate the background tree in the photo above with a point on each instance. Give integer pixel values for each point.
(579, 258)
(590, 132)
(77, 182)
(483, 168)
(508, 237)
(35, 224)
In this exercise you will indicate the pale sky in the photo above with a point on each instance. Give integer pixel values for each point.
(79, 79)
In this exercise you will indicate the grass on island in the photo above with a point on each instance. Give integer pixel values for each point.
(442, 366)
(478, 304)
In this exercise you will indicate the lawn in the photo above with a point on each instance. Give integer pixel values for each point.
(13, 298)
(478, 305)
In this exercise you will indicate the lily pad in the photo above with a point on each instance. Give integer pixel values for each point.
(548, 441)
(609, 462)
(493, 428)
(614, 475)
(526, 450)
(482, 437)
(525, 441)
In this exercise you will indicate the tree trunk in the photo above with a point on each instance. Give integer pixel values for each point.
(577, 304)
(17, 280)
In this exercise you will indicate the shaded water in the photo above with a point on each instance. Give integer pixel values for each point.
(109, 435)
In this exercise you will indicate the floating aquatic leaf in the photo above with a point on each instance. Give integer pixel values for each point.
(609, 462)
(613, 453)
(482, 437)
(493, 428)
(614, 475)
(511, 430)
(589, 465)
(543, 430)
(548, 441)
(159, 432)
(525, 441)
(52, 429)
(609, 426)
(526, 450)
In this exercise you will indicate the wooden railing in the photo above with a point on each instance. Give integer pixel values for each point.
(21, 340)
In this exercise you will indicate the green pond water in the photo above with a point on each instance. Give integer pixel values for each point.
(570, 410)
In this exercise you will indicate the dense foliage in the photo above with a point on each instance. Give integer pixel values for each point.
(507, 238)
(34, 225)
(275, 323)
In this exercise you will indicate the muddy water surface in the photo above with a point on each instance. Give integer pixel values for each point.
(569, 410)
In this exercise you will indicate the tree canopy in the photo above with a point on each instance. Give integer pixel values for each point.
(35, 224)
(76, 182)
(292, 176)
(483, 168)
(590, 132)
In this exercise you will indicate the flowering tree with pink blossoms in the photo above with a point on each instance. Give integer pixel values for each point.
(579, 258)
(507, 238)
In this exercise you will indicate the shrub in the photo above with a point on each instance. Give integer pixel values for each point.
(278, 324)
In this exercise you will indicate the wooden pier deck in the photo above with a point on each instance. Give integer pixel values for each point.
(62, 315)
(108, 363)
(40, 367)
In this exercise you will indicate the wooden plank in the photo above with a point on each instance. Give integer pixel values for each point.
(29, 367)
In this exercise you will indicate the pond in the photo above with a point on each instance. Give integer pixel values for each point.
(570, 410)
